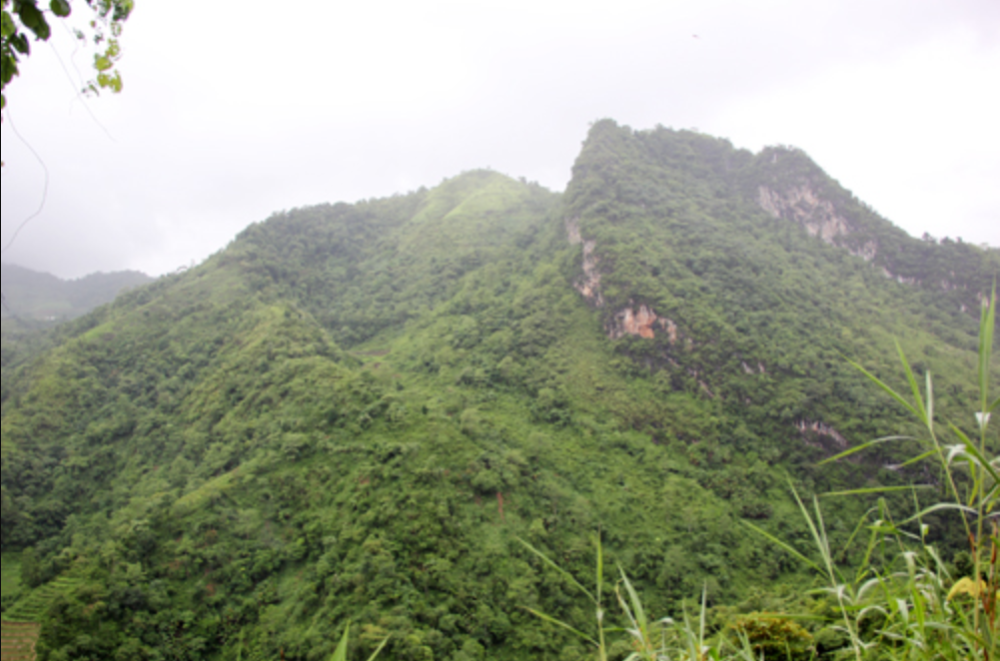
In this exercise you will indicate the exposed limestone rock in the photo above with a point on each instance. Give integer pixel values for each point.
(671, 328)
(867, 252)
(589, 284)
(898, 278)
(573, 231)
(634, 322)
(816, 215)
(822, 430)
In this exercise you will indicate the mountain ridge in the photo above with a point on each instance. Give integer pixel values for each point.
(356, 411)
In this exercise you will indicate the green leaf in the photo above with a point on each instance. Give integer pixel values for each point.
(378, 649)
(859, 492)
(922, 414)
(942, 507)
(993, 406)
(33, 19)
(559, 623)
(60, 8)
(919, 458)
(102, 63)
(986, 325)
(972, 450)
(865, 446)
(889, 391)
(559, 569)
(783, 545)
(111, 82)
(340, 654)
(20, 43)
(7, 26)
(8, 69)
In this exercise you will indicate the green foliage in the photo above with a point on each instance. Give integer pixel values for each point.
(354, 412)
(22, 19)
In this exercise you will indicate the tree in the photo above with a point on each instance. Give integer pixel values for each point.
(23, 18)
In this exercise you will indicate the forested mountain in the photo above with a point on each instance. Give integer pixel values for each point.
(41, 296)
(355, 412)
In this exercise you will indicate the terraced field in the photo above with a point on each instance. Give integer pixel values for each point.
(32, 606)
(20, 629)
(17, 641)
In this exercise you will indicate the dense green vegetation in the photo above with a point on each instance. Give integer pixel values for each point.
(359, 412)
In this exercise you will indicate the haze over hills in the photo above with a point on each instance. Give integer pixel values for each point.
(40, 296)
(354, 412)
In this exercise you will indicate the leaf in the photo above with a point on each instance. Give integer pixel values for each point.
(889, 391)
(20, 43)
(783, 545)
(993, 406)
(112, 82)
(378, 649)
(102, 63)
(60, 8)
(636, 613)
(8, 69)
(559, 623)
(7, 26)
(864, 446)
(919, 458)
(33, 19)
(973, 451)
(340, 654)
(967, 586)
(559, 569)
(913, 385)
(986, 326)
(858, 492)
(941, 507)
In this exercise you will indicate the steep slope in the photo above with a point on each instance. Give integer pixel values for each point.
(355, 411)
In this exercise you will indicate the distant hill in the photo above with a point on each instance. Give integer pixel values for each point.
(41, 296)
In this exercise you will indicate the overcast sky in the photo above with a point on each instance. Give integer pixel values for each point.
(236, 109)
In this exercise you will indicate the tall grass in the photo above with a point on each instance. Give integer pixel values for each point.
(901, 601)
(912, 607)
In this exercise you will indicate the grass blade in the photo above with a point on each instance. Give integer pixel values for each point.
(922, 413)
(378, 649)
(783, 545)
(340, 654)
(889, 391)
(560, 623)
(864, 446)
(559, 569)
(986, 326)
(943, 507)
(639, 618)
(861, 492)
(919, 458)
(974, 451)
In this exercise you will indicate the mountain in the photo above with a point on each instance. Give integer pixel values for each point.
(40, 296)
(360, 412)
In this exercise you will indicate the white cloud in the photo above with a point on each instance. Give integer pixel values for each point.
(245, 108)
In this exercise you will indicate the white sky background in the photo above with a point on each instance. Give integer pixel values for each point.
(237, 109)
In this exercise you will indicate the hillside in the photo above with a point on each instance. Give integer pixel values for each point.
(40, 296)
(354, 412)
